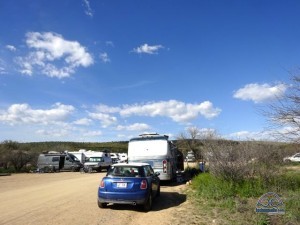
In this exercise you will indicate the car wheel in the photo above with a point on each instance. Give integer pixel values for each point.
(102, 205)
(148, 204)
(158, 191)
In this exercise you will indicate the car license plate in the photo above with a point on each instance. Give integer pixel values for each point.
(121, 185)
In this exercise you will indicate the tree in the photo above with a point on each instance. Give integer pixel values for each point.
(5, 149)
(284, 113)
(12, 153)
(193, 140)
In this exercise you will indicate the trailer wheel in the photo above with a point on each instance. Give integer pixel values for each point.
(46, 169)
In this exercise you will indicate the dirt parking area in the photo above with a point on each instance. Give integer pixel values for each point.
(71, 198)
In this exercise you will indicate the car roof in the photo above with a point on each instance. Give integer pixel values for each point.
(131, 164)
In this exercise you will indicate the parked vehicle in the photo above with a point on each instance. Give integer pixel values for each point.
(132, 183)
(123, 157)
(79, 155)
(158, 151)
(190, 157)
(55, 162)
(293, 158)
(97, 161)
(114, 157)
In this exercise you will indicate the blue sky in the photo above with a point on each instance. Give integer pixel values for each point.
(103, 70)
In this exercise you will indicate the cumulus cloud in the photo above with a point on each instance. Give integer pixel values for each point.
(107, 109)
(260, 93)
(53, 56)
(92, 133)
(83, 122)
(176, 110)
(24, 114)
(106, 120)
(53, 132)
(134, 127)
(11, 48)
(104, 57)
(147, 49)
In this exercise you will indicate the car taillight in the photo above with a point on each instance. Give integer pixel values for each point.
(144, 184)
(102, 184)
(165, 166)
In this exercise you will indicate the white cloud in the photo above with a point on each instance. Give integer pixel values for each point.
(105, 119)
(178, 111)
(134, 127)
(53, 132)
(11, 48)
(260, 93)
(88, 10)
(24, 114)
(110, 43)
(148, 49)
(2, 67)
(104, 57)
(83, 121)
(107, 109)
(92, 133)
(53, 56)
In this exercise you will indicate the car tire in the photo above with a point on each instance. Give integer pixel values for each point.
(158, 191)
(102, 205)
(148, 204)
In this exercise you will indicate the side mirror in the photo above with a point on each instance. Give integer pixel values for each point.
(156, 174)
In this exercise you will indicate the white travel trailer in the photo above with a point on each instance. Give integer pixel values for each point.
(97, 160)
(79, 155)
(158, 151)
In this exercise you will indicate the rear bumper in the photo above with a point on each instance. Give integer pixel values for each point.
(135, 198)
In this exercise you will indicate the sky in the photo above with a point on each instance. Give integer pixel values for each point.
(109, 70)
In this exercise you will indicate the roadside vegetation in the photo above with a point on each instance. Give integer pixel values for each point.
(237, 174)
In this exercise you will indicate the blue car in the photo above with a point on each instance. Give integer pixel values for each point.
(134, 183)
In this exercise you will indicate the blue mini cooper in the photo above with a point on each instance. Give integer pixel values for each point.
(133, 183)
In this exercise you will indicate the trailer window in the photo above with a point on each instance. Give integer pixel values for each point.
(96, 159)
(55, 159)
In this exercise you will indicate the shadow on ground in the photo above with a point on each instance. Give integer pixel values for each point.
(164, 201)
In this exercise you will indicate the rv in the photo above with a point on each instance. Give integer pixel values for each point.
(159, 152)
(97, 161)
(55, 162)
(79, 155)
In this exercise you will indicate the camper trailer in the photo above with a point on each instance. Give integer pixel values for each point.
(55, 162)
(158, 151)
(97, 161)
(79, 155)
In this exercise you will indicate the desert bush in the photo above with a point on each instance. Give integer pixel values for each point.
(228, 160)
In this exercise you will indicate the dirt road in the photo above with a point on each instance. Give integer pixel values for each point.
(71, 198)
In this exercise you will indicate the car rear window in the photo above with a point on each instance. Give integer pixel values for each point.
(125, 171)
